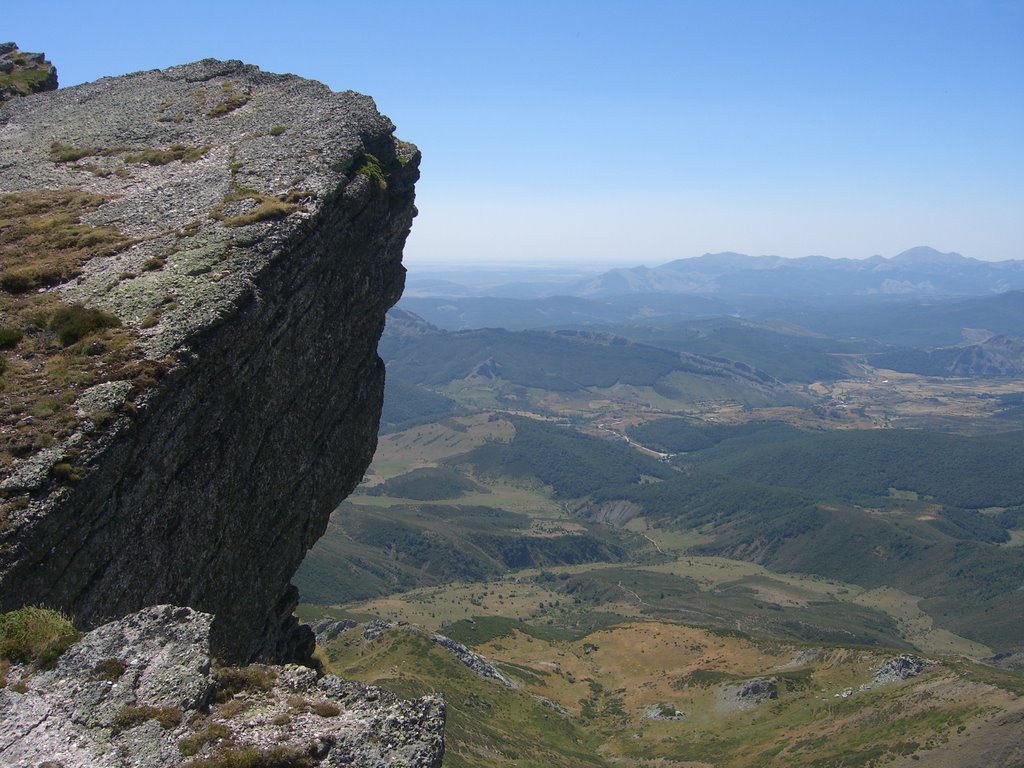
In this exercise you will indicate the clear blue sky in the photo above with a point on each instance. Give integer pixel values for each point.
(638, 132)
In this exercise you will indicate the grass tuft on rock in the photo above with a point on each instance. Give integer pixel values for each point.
(9, 337)
(73, 322)
(230, 101)
(33, 635)
(264, 207)
(132, 715)
(43, 240)
(66, 153)
(250, 757)
(232, 680)
(192, 745)
(54, 350)
(164, 156)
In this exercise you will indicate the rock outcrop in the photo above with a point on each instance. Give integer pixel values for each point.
(23, 73)
(140, 691)
(477, 663)
(326, 630)
(748, 694)
(899, 668)
(195, 267)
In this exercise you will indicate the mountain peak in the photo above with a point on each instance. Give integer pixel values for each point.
(923, 254)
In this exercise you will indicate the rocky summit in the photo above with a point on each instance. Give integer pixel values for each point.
(195, 265)
(23, 73)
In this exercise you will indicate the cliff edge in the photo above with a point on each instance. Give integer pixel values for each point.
(195, 265)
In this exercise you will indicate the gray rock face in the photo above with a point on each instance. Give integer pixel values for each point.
(748, 694)
(139, 691)
(898, 668)
(266, 235)
(327, 630)
(477, 663)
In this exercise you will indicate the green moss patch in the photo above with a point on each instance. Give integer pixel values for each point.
(368, 165)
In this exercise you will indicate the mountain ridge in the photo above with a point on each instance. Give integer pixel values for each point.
(921, 270)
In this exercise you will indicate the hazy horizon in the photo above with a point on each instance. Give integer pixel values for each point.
(601, 266)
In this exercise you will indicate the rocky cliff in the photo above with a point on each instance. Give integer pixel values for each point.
(195, 266)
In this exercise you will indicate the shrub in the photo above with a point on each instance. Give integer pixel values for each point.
(35, 635)
(191, 745)
(73, 322)
(232, 680)
(165, 156)
(64, 153)
(68, 473)
(250, 757)
(9, 337)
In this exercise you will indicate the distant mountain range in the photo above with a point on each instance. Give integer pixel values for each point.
(918, 271)
(733, 277)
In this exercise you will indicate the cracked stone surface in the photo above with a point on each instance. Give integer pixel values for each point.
(70, 715)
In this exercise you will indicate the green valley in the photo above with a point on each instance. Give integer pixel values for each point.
(678, 559)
